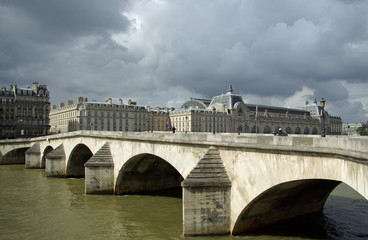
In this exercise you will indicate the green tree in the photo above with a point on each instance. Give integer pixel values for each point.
(362, 131)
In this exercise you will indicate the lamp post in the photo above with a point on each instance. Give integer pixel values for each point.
(151, 121)
(323, 102)
(186, 124)
(214, 111)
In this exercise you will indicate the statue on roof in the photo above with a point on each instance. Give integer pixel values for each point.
(230, 90)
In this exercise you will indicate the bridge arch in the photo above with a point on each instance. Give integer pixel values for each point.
(147, 173)
(78, 157)
(47, 150)
(15, 156)
(263, 172)
(283, 202)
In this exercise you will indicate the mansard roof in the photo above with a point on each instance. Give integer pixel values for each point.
(196, 103)
(280, 110)
(228, 100)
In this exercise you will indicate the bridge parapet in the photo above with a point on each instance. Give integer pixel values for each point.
(335, 142)
(354, 147)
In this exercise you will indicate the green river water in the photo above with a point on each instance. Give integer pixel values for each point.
(33, 206)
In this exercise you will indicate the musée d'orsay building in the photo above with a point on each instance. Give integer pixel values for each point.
(228, 113)
(223, 113)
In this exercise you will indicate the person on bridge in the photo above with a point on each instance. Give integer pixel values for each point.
(280, 133)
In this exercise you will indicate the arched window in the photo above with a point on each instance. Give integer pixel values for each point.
(288, 130)
(297, 130)
(255, 130)
(240, 129)
(314, 131)
(267, 129)
(306, 130)
(246, 128)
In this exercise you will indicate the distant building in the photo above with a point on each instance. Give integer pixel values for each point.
(333, 124)
(228, 113)
(107, 116)
(223, 113)
(351, 128)
(24, 112)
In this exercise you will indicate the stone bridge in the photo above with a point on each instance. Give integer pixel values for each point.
(231, 184)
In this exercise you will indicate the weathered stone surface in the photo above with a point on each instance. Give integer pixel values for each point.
(102, 157)
(206, 197)
(209, 171)
(99, 172)
(33, 156)
(55, 162)
(57, 153)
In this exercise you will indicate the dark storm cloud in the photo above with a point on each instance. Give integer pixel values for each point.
(56, 42)
(59, 19)
(164, 52)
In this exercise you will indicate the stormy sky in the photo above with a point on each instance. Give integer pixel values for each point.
(162, 52)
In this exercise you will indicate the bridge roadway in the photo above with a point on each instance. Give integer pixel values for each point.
(231, 184)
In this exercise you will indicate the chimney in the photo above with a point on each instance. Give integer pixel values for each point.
(70, 102)
(129, 102)
(109, 101)
(35, 87)
(82, 99)
(61, 104)
(120, 102)
(54, 107)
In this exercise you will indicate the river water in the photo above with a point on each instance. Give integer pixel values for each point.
(35, 207)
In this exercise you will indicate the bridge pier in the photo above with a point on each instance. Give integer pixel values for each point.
(55, 162)
(206, 197)
(33, 156)
(99, 172)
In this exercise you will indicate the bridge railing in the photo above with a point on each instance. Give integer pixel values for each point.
(346, 145)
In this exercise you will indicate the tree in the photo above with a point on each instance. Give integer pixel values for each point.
(362, 131)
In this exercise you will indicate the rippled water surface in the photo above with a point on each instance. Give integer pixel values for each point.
(35, 207)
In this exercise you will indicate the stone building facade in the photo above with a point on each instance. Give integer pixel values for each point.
(223, 113)
(24, 112)
(107, 116)
(228, 113)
